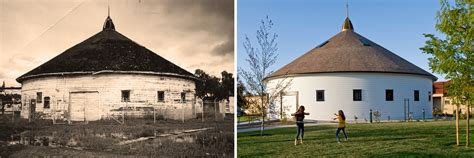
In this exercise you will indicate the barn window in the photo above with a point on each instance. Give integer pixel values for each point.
(429, 96)
(161, 96)
(319, 95)
(125, 95)
(46, 103)
(39, 97)
(389, 95)
(357, 95)
(183, 97)
(416, 96)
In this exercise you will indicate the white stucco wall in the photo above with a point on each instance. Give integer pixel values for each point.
(143, 90)
(339, 87)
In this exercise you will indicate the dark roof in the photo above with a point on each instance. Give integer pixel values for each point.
(348, 51)
(108, 51)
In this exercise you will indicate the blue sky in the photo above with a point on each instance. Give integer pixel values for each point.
(304, 24)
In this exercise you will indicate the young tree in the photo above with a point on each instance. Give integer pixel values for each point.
(452, 56)
(259, 60)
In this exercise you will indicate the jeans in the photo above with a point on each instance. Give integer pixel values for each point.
(343, 131)
(299, 130)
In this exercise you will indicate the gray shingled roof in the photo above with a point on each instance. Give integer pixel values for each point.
(107, 51)
(348, 51)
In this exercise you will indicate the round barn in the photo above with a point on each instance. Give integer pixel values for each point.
(103, 75)
(351, 73)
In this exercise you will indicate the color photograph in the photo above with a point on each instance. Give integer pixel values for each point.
(360, 78)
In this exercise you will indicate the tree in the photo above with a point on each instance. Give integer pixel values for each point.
(259, 61)
(207, 85)
(241, 101)
(452, 56)
(214, 87)
(227, 84)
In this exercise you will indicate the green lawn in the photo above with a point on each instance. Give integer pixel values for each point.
(413, 139)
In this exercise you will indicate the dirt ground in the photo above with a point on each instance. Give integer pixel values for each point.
(104, 138)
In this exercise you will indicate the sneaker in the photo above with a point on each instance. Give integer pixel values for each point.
(339, 142)
(301, 141)
(296, 142)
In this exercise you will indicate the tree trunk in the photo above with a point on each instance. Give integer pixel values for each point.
(457, 124)
(467, 125)
(262, 125)
(263, 115)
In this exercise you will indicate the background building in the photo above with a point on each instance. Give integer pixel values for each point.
(442, 103)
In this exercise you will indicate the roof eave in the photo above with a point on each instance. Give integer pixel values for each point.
(266, 79)
(23, 78)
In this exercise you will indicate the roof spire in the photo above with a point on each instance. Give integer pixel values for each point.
(108, 24)
(347, 8)
(347, 23)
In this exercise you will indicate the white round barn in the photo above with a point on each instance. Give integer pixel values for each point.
(351, 73)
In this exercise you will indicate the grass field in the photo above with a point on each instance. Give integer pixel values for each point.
(412, 139)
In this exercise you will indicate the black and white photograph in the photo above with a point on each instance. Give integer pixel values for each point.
(117, 78)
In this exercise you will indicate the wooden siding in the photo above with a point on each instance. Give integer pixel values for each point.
(143, 91)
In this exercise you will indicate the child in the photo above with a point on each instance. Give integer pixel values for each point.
(342, 125)
(299, 123)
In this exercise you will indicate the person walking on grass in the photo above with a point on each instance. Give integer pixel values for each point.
(342, 125)
(299, 115)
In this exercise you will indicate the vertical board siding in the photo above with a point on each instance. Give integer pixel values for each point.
(143, 92)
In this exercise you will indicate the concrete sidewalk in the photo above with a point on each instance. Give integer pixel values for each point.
(309, 123)
(241, 130)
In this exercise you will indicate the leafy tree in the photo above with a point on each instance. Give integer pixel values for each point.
(241, 102)
(227, 84)
(452, 56)
(214, 87)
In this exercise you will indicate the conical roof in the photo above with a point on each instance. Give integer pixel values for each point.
(107, 51)
(348, 51)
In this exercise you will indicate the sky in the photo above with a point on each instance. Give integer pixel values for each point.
(196, 34)
(397, 25)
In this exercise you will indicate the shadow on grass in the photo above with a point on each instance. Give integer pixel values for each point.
(413, 154)
(265, 134)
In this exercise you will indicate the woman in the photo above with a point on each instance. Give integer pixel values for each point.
(299, 124)
(342, 125)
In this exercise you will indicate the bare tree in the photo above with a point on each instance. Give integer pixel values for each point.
(259, 60)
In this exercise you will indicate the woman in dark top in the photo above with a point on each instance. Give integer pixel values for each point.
(299, 115)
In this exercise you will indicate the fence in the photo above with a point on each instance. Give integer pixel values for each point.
(182, 111)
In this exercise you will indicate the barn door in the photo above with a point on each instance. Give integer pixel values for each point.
(84, 106)
(289, 104)
(32, 108)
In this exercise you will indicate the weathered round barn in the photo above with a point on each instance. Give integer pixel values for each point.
(351, 73)
(103, 75)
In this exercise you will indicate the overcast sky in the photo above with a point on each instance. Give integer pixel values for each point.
(192, 34)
